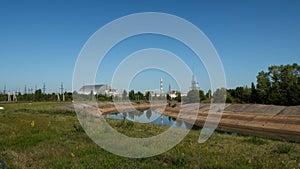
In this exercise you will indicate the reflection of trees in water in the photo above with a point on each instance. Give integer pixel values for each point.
(124, 114)
(191, 126)
(149, 114)
(179, 122)
(162, 119)
(188, 125)
(139, 113)
(131, 115)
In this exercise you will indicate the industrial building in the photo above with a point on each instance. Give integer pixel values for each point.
(102, 89)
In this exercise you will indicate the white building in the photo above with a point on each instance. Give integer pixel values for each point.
(95, 89)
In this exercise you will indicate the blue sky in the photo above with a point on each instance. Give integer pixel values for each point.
(40, 40)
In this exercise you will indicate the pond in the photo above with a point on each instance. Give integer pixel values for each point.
(148, 116)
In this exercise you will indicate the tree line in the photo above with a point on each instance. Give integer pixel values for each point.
(37, 96)
(280, 85)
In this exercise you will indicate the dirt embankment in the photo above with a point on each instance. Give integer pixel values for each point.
(278, 122)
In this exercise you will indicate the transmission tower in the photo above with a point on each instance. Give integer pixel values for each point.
(4, 90)
(61, 88)
(161, 86)
(25, 90)
(194, 83)
(44, 88)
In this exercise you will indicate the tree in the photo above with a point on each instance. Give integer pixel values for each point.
(219, 95)
(178, 97)
(131, 95)
(124, 95)
(263, 86)
(202, 95)
(229, 98)
(253, 95)
(208, 94)
(148, 96)
(139, 96)
(169, 97)
(38, 95)
(280, 85)
(193, 96)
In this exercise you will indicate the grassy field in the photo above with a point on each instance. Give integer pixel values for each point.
(35, 135)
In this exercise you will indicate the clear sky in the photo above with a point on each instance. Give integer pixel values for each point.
(40, 40)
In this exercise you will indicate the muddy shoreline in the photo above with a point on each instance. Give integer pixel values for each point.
(269, 121)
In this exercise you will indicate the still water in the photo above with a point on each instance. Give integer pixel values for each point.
(148, 116)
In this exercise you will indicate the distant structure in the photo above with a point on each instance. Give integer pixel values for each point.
(44, 88)
(169, 89)
(4, 90)
(102, 89)
(161, 87)
(194, 84)
(151, 92)
(112, 92)
(173, 94)
(25, 90)
(61, 88)
(30, 90)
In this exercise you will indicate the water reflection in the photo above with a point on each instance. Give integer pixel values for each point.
(148, 116)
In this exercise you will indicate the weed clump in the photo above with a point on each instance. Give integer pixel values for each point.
(256, 140)
(283, 148)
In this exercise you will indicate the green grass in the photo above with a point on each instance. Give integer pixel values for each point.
(57, 134)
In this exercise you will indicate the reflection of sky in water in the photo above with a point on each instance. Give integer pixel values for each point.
(148, 116)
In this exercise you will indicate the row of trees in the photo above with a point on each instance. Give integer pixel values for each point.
(279, 86)
(37, 96)
(192, 96)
